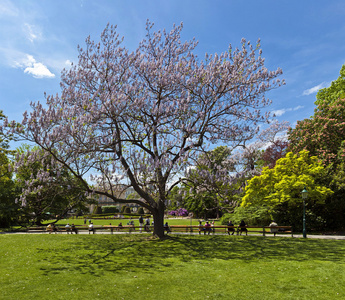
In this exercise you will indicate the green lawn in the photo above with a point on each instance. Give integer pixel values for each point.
(131, 267)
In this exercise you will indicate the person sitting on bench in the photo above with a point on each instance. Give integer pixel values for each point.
(91, 229)
(147, 225)
(230, 228)
(242, 228)
(166, 227)
(68, 228)
(74, 229)
(273, 230)
(207, 228)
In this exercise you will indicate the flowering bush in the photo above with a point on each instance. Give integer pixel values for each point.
(181, 212)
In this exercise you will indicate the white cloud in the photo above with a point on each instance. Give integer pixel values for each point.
(315, 89)
(8, 9)
(280, 112)
(34, 68)
(298, 107)
(32, 32)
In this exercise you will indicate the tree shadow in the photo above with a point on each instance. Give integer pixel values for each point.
(101, 254)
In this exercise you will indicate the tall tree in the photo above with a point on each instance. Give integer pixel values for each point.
(279, 189)
(47, 192)
(208, 185)
(323, 134)
(274, 152)
(275, 136)
(334, 92)
(8, 188)
(140, 116)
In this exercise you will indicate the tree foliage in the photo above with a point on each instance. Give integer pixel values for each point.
(334, 92)
(141, 116)
(47, 192)
(274, 152)
(278, 190)
(286, 180)
(8, 193)
(209, 186)
(323, 135)
(8, 189)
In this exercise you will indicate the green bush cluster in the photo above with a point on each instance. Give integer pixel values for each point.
(109, 209)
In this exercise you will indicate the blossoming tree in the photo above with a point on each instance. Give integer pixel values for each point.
(139, 117)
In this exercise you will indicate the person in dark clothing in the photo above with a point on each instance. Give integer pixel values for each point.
(207, 228)
(141, 223)
(167, 228)
(242, 228)
(74, 229)
(231, 229)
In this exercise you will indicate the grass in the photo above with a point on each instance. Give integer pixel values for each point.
(180, 267)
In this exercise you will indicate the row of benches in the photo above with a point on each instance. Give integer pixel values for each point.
(181, 228)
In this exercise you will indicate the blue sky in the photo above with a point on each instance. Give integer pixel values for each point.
(38, 38)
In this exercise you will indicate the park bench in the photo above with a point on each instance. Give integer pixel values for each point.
(124, 228)
(264, 230)
(44, 229)
(267, 230)
(224, 228)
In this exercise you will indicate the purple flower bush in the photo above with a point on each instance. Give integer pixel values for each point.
(181, 212)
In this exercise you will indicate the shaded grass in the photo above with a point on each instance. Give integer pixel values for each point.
(180, 267)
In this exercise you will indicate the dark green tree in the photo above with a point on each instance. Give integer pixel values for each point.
(8, 189)
(334, 92)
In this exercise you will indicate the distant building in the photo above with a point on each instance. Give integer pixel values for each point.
(119, 193)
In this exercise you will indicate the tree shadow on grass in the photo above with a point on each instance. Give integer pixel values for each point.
(99, 254)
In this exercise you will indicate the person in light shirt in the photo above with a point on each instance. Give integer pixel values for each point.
(274, 230)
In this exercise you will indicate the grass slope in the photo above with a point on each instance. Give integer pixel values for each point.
(181, 267)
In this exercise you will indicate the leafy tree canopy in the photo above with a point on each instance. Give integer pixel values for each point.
(46, 191)
(284, 183)
(334, 92)
(141, 116)
(323, 135)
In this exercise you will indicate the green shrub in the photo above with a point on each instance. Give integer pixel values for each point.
(97, 210)
(123, 208)
(141, 211)
(255, 216)
(110, 209)
(128, 210)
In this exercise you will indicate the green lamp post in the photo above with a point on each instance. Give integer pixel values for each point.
(304, 197)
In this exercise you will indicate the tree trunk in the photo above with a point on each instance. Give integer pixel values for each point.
(158, 218)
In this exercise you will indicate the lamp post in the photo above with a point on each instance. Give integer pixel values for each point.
(304, 197)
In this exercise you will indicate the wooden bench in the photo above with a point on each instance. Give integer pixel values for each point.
(224, 228)
(202, 229)
(264, 230)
